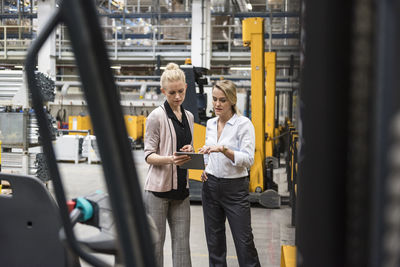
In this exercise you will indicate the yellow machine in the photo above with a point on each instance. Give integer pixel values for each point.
(144, 125)
(188, 61)
(288, 256)
(270, 85)
(199, 132)
(79, 123)
(263, 118)
(253, 36)
(134, 126)
(262, 112)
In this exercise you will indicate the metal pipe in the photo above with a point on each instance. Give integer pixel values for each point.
(157, 84)
(123, 20)
(270, 31)
(285, 30)
(202, 52)
(2, 11)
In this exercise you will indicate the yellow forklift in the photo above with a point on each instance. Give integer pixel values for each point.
(263, 86)
(263, 118)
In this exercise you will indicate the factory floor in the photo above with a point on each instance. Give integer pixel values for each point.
(271, 227)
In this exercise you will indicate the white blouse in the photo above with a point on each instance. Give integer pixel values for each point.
(237, 135)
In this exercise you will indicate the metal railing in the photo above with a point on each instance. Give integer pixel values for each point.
(14, 40)
(137, 42)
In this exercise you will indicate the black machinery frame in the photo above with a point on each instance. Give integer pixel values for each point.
(81, 19)
(348, 180)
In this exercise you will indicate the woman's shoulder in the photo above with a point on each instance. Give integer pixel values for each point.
(212, 120)
(243, 120)
(190, 114)
(155, 115)
(158, 111)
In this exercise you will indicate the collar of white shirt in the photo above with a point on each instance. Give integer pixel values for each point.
(231, 121)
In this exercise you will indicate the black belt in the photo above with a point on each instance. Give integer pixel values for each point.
(220, 178)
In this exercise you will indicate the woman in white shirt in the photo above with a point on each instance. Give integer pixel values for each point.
(229, 149)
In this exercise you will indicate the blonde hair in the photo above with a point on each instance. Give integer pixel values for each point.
(229, 89)
(172, 73)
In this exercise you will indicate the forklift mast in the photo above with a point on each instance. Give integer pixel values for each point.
(262, 186)
(270, 85)
(253, 36)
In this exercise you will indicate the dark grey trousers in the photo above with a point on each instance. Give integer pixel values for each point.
(228, 198)
(177, 213)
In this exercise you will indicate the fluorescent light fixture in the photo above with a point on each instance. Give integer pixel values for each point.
(249, 6)
(162, 68)
(116, 67)
(240, 68)
(18, 67)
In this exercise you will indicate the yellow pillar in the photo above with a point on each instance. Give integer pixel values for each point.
(270, 85)
(253, 36)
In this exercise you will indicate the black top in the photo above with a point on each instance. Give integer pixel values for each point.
(183, 137)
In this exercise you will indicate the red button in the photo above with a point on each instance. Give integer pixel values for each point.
(71, 205)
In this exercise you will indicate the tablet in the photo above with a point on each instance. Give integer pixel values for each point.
(197, 161)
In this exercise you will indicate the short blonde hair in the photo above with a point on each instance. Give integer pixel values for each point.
(172, 73)
(229, 89)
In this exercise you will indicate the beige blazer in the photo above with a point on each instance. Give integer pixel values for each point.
(160, 138)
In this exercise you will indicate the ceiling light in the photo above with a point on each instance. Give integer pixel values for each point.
(116, 67)
(249, 6)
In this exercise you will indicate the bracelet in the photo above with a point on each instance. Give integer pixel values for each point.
(224, 149)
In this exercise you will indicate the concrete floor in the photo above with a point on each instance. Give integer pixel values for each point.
(271, 227)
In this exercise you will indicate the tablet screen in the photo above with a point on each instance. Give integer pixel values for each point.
(196, 162)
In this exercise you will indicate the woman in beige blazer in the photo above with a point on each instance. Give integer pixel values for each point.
(169, 128)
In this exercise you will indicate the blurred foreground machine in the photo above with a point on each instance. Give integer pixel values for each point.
(132, 227)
